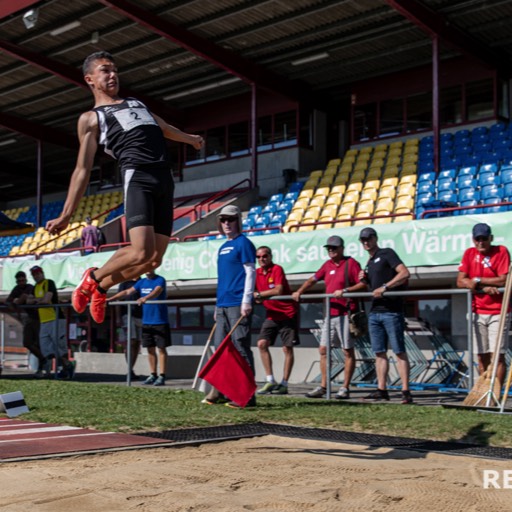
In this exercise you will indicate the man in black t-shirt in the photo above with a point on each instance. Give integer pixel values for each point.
(385, 271)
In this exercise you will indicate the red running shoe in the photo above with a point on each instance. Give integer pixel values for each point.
(98, 306)
(83, 292)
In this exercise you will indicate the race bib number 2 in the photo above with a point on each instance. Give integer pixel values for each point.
(132, 117)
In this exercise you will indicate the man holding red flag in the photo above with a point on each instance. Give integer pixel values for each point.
(233, 377)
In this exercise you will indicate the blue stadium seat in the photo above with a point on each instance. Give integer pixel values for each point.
(276, 198)
(425, 167)
(255, 209)
(255, 233)
(470, 202)
(429, 176)
(272, 231)
(467, 170)
(291, 196)
(448, 197)
(471, 160)
(286, 206)
(480, 130)
(468, 194)
(488, 178)
(447, 173)
(490, 191)
(421, 199)
(425, 187)
(461, 141)
(505, 173)
(507, 190)
(296, 186)
(446, 143)
(446, 184)
(488, 168)
(466, 181)
(501, 145)
(446, 136)
(248, 223)
(270, 208)
(495, 209)
(498, 127)
(428, 140)
(264, 219)
(461, 134)
(463, 150)
(481, 146)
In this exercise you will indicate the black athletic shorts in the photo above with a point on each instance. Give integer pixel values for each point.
(288, 329)
(156, 336)
(148, 199)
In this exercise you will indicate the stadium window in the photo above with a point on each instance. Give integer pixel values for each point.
(265, 133)
(365, 118)
(285, 129)
(208, 315)
(238, 139)
(190, 316)
(479, 99)
(450, 105)
(391, 117)
(310, 312)
(172, 314)
(216, 144)
(419, 112)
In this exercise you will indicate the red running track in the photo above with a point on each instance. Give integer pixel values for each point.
(19, 438)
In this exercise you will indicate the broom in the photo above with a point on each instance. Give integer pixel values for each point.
(203, 357)
(487, 386)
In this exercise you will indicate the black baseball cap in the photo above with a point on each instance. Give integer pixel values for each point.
(367, 233)
(481, 230)
(334, 241)
(35, 268)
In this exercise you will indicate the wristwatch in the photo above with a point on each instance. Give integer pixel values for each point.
(345, 290)
(477, 280)
(385, 286)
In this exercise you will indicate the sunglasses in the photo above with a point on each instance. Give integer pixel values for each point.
(227, 219)
(332, 248)
(262, 256)
(482, 238)
(365, 240)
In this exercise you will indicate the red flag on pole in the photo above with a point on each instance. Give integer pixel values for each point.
(230, 373)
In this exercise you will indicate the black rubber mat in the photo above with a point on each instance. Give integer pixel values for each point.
(212, 434)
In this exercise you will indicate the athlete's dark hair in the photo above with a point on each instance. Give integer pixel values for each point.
(95, 56)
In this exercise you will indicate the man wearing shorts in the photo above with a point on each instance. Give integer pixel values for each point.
(386, 322)
(340, 274)
(156, 332)
(135, 137)
(483, 270)
(52, 334)
(282, 319)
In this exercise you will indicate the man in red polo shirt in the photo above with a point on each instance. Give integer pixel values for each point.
(282, 319)
(484, 269)
(339, 273)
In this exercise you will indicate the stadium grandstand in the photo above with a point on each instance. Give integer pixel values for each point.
(320, 118)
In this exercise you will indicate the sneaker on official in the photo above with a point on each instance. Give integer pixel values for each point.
(342, 394)
(234, 405)
(318, 392)
(280, 389)
(160, 381)
(150, 380)
(378, 394)
(82, 294)
(267, 388)
(98, 306)
(406, 397)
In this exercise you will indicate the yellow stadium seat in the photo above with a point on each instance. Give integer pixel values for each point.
(311, 183)
(382, 220)
(330, 170)
(362, 222)
(335, 162)
(390, 172)
(402, 218)
(384, 205)
(326, 218)
(361, 166)
(374, 174)
(295, 216)
(395, 152)
(307, 193)
(357, 176)
(326, 181)
(348, 159)
(333, 200)
(306, 228)
(387, 191)
(316, 174)
(369, 193)
(381, 147)
(409, 169)
(322, 191)
(366, 205)
(338, 189)
(410, 158)
(363, 157)
(406, 190)
(347, 209)
(377, 163)
(351, 196)
(404, 203)
(355, 185)
(394, 160)
(411, 179)
(389, 182)
(15, 249)
(311, 214)
(341, 178)
(352, 151)
(317, 201)
(341, 222)
(330, 210)
(371, 184)
(410, 150)
(366, 149)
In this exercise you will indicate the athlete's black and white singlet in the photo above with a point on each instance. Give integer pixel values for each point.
(131, 135)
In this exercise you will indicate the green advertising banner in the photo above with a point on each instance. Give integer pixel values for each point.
(428, 242)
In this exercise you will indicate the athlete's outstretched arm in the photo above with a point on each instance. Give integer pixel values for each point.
(88, 137)
(173, 133)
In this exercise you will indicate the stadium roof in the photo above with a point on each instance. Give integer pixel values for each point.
(183, 53)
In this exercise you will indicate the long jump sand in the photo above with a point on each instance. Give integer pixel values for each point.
(268, 473)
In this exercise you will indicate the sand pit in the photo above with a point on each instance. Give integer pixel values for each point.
(266, 473)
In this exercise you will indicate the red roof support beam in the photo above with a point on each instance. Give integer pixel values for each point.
(38, 131)
(436, 24)
(75, 77)
(231, 62)
(12, 6)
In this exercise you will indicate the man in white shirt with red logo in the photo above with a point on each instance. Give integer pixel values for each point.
(484, 269)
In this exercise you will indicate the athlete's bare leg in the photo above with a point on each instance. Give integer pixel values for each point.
(144, 254)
